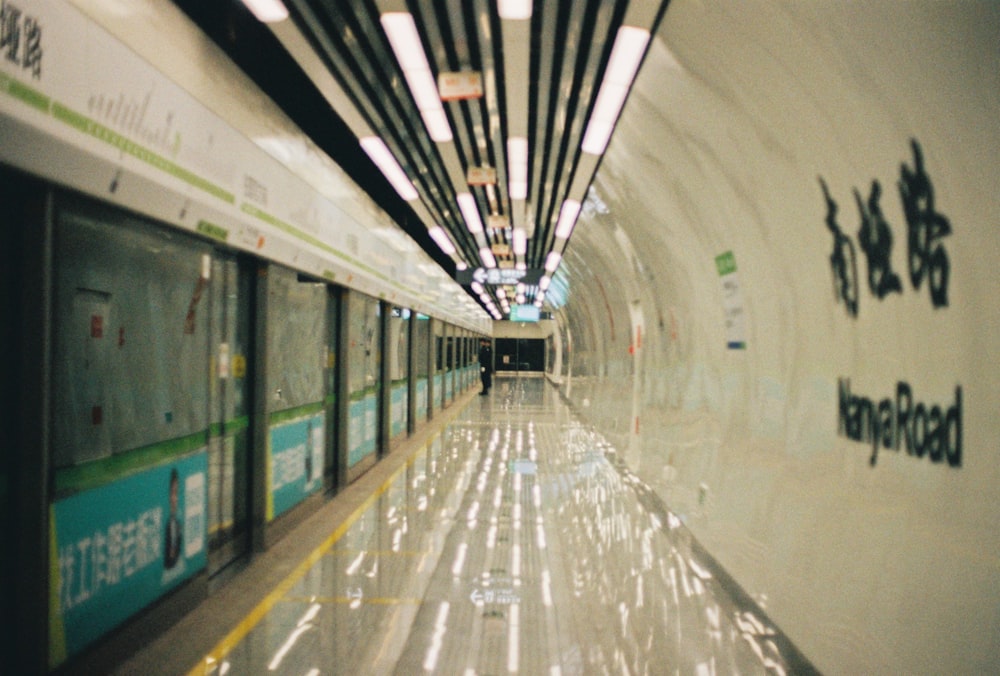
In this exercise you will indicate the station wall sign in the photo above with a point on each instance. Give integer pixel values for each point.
(499, 276)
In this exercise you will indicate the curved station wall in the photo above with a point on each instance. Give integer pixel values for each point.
(780, 305)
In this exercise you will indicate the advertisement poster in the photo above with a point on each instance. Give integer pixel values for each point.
(297, 451)
(119, 547)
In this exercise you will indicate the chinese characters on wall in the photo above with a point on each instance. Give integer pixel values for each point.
(926, 229)
(896, 422)
(20, 39)
(107, 556)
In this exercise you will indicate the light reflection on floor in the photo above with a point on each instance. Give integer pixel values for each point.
(509, 544)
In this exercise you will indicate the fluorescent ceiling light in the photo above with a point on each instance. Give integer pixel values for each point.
(567, 218)
(401, 30)
(521, 266)
(486, 256)
(517, 160)
(461, 265)
(544, 282)
(379, 153)
(267, 11)
(520, 242)
(501, 294)
(467, 205)
(552, 261)
(438, 234)
(477, 287)
(514, 9)
(630, 45)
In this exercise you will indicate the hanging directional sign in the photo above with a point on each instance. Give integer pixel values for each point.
(495, 222)
(498, 276)
(457, 86)
(481, 176)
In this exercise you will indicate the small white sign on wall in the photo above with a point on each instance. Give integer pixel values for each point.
(732, 301)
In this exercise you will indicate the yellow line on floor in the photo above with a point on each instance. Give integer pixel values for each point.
(383, 601)
(377, 552)
(211, 661)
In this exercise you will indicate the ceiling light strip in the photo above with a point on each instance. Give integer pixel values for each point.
(401, 30)
(520, 242)
(383, 158)
(470, 211)
(626, 55)
(486, 256)
(514, 10)
(441, 238)
(567, 219)
(267, 11)
(517, 160)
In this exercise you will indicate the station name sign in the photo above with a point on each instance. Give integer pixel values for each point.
(923, 429)
(499, 276)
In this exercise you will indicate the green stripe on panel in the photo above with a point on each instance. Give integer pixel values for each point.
(361, 394)
(24, 93)
(212, 230)
(297, 412)
(106, 470)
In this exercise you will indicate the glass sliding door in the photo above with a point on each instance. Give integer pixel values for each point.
(363, 376)
(399, 375)
(296, 361)
(230, 396)
(422, 344)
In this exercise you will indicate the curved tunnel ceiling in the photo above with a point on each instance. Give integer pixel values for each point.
(343, 69)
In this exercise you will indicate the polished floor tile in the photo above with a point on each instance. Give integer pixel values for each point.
(514, 542)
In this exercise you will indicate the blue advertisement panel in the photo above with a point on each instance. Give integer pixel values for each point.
(119, 547)
(398, 408)
(361, 430)
(297, 452)
(422, 399)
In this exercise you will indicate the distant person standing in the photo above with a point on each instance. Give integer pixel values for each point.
(485, 365)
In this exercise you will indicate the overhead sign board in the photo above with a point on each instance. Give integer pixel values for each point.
(500, 249)
(463, 85)
(498, 276)
(481, 176)
(495, 222)
(523, 313)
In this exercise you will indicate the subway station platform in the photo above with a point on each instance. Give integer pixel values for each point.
(510, 538)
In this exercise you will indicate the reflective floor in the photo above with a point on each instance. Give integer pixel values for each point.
(514, 542)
